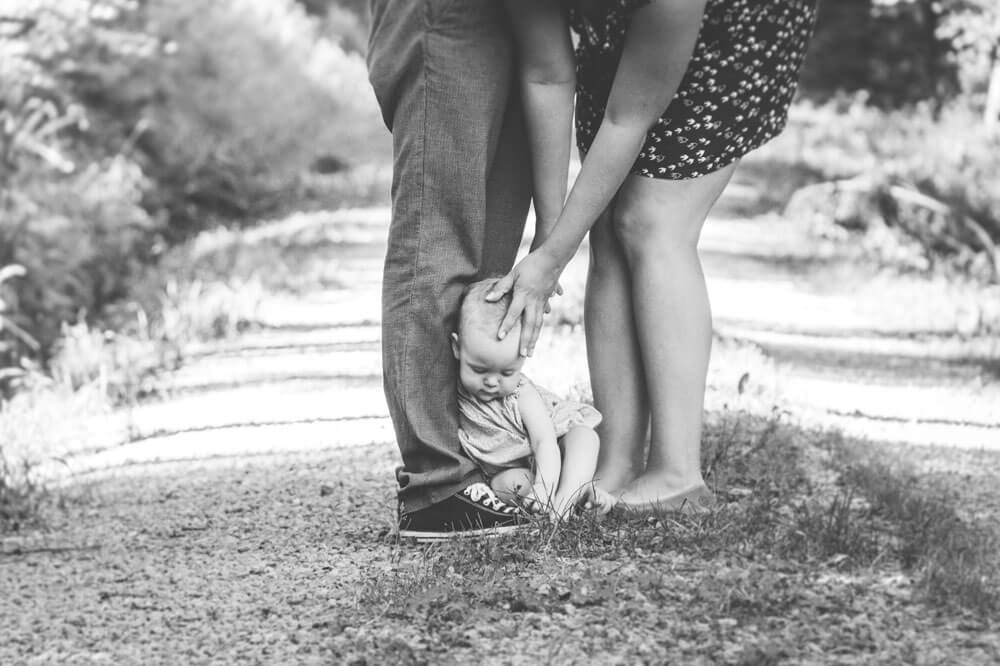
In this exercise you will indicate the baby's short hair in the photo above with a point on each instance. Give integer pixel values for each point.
(475, 312)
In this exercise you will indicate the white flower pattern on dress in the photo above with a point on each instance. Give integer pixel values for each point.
(733, 98)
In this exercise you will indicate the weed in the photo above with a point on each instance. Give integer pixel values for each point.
(20, 495)
(956, 561)
(837, 529)
(38, 427)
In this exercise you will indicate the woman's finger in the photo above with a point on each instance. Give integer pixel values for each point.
(501, 287)
(558, 291)
(510, 319)
(527, 324)
(530, 327)
(539, 322)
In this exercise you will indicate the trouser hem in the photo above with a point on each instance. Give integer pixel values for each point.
(421, 498)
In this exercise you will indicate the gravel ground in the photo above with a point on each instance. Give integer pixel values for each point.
(281, 559)
(230, 563)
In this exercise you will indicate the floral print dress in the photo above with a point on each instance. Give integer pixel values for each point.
(733, 98)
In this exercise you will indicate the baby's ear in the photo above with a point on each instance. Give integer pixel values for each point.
(454, 344)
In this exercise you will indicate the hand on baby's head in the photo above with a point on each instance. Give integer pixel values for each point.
(474, 311)
(488, 367)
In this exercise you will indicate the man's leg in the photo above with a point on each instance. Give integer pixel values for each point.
(442, 71)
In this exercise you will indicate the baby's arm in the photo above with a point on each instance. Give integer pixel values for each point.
(544, 445)
(548, 81)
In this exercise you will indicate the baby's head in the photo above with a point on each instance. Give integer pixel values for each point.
(488, 368)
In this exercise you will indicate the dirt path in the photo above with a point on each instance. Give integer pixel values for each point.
(844, 357)
(249, 505)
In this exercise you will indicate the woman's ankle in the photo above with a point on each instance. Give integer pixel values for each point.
(671, 479)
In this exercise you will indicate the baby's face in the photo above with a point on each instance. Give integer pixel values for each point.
(488, 368)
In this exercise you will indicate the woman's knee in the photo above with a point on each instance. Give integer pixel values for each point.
(606, 254)
(641, 225)
(661, 216)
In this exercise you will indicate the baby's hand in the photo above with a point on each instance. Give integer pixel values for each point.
(541, 498)
(597, 500)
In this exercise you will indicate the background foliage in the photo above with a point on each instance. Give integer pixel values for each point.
(128, 125)
(902, 132)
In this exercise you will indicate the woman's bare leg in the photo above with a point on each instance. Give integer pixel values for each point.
(658, 223)
(613, 356)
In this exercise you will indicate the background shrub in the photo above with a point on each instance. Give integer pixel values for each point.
(903, 130)
(243, 103)
(932, 182)
(891, 49)
(128, 125)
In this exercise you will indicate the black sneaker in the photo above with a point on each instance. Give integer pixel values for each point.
(473, 512)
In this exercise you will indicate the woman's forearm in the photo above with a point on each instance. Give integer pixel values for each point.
(611, 156)
(548, 81)
(548, 111)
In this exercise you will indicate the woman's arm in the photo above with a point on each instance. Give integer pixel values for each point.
(658, 47)
(548, 81)
(544, 444)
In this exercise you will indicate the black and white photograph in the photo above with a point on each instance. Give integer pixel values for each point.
(430, 332)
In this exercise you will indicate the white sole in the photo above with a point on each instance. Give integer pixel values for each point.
(432, 537)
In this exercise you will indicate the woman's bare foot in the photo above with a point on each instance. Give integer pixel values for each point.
(653, 493)
(612, 481)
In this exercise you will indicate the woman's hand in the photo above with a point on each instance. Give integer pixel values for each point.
(531, 282)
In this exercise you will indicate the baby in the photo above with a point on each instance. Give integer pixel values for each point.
(535, 449)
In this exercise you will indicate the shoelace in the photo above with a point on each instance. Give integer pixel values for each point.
(480, 492)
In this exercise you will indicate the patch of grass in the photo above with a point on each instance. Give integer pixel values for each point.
(20, 495)
(513, 596)
(808, 550)
(125, 366)
(209, 288)
(41, 424)
(775, 512)
(127, 358)
(956, 562)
